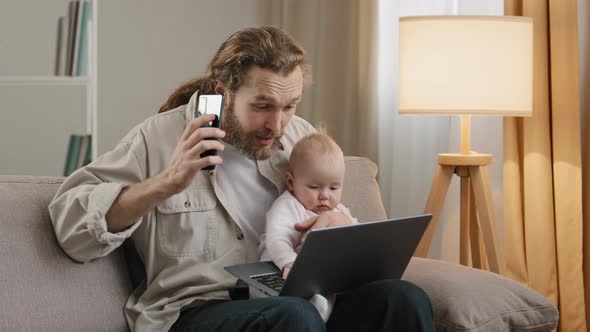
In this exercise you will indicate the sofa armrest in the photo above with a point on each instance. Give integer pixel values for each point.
(42, 288)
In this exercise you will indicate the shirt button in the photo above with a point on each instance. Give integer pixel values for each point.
(240, 236)
(187, 204)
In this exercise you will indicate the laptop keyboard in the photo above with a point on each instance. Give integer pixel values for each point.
(272, 280)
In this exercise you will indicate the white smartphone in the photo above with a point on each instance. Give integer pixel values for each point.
(210, 104)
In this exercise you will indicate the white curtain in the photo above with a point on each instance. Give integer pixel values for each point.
(352, 45)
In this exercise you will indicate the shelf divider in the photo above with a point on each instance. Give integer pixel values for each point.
(44, 80)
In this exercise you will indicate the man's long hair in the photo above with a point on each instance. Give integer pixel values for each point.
(267, 47)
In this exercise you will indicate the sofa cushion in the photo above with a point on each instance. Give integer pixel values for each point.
(467, 299)
(42, 288)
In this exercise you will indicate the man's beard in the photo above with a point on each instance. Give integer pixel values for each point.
(244, 141)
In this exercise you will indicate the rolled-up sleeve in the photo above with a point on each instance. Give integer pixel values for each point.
(80, 205)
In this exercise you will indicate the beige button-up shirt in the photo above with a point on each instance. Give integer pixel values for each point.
(185, 242)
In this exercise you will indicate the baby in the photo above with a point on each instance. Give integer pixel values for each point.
(314, 181)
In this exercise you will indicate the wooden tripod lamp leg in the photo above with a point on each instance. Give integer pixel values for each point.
(465, 216)
(436, 201)
(487, 216)
(477, 256)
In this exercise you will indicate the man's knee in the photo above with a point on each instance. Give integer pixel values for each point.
(297, 308)
(400, 292)
(297, 312)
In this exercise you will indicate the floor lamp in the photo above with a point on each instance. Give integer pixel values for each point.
(466, 65)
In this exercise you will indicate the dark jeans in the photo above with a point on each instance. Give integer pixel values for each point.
(387, 305)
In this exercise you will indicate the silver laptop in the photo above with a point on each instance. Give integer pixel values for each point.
(336, 259)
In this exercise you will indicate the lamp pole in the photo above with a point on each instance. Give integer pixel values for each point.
(465, 134)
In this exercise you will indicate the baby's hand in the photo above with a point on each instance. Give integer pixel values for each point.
(286, 269)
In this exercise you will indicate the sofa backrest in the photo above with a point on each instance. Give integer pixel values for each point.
(42, 288)
(361, 191)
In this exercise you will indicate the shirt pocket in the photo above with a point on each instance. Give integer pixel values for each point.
(187, 223)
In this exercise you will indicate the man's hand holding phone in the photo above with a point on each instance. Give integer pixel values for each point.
(187, 157)
(198, 145)
(136, 199)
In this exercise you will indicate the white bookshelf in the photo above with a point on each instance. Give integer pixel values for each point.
(44, 80)
(37, 78)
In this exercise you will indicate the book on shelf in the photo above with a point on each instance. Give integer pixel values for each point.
(79, 153)
(61, 49)
(88, 154)
(73, 37)
(82, 45)
(72, 16)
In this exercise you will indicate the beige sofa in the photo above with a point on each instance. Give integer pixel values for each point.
(43, 289)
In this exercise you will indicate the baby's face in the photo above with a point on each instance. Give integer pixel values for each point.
(317, 183)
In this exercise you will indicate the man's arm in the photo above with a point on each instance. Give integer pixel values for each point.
(136, 200)
(133, 202)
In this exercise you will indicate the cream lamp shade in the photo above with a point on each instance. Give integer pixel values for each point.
(473, 65)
